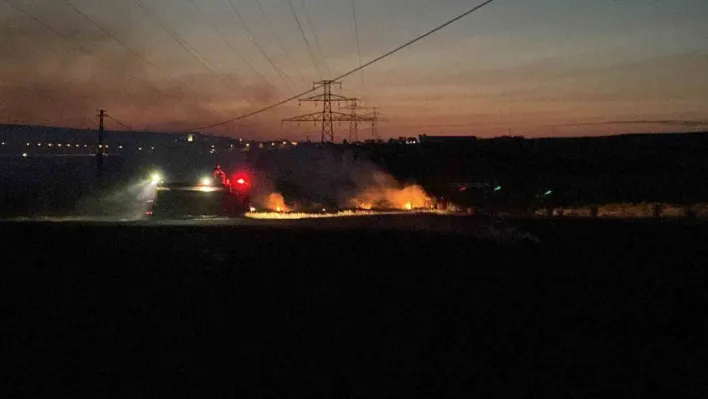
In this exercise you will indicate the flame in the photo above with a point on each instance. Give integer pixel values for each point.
(365, 206)
(275, 201)
(301, 215)
(348, 213)
(406, 198)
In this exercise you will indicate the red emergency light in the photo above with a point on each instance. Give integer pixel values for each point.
(240, 181)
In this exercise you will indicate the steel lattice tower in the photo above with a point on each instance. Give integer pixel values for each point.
(327, 116)
(327, 126)
(374, 118)
(355, 119)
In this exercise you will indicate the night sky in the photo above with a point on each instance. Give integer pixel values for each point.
(532, 68)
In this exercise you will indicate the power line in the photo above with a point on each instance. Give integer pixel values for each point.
(283, 76)
(317, 40)
(178, 39)
(417, 39)
(118, 122)
(355, 70)
(244, 116)
(231, 46)
(356, 34)
(124, 45)
(80, 46)
(278, 40)
(107, 33)
(181, 42)
(304, 37)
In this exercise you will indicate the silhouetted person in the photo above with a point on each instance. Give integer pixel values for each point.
(219, 174)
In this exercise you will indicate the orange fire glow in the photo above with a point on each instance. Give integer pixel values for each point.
(364, 206)
(407, 198)
(302, 215)
(276, 202)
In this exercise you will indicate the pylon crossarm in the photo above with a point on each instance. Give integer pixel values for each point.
(323, 97)
(316, 116)
(335, 97)
(319, 97)
(342, 117)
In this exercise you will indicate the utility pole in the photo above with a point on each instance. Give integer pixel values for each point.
(327, 116)
(99, 151)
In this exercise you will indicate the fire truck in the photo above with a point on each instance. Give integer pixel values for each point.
(212, 196)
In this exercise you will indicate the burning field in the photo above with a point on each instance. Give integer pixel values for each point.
(275, 202)
(379, 199)
(336, 214)
(387, 193)
(320, 183)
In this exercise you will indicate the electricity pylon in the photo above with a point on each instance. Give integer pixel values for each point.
(327, 116)
(354, 107)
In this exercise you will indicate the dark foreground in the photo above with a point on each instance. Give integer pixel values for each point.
(596, 309)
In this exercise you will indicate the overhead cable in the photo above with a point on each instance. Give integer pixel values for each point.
(355, 70)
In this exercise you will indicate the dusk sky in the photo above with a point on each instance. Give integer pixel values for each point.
(525, 67)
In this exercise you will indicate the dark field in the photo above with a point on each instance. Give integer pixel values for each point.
(595, 308)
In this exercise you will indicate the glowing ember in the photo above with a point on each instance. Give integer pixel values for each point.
(365, 206)
(300, 215)
(408, 206)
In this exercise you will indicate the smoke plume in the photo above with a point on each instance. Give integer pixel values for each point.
(47, 79)
(313, 177)
(386, 192)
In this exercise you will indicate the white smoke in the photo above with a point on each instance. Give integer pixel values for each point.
(322, 177)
